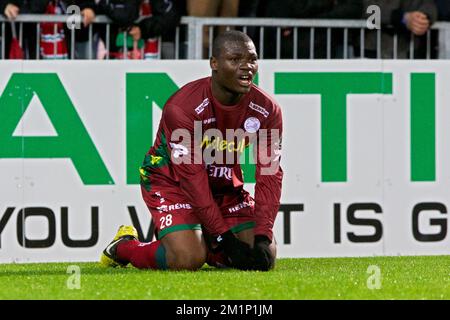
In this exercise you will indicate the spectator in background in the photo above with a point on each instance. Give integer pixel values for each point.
(82, 45)
(52, 45)
(55, 43)
(137, 26)
(123, 13)
(443, 8)
(11, 9)
(309, 9)
(401, 17)
(251, 9)
(212, 8)
(160, 19)
(340, 9)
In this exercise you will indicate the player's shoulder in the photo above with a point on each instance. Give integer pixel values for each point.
(189, 94)
(263, 102)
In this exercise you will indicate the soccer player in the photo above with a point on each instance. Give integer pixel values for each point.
(191, 179)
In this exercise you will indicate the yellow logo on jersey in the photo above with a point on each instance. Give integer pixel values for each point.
(222, 144)
(155, 159)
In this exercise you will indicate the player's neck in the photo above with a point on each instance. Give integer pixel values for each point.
(224, 96)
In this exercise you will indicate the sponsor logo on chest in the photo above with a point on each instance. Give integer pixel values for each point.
(219, 172)
(252, 124)
(208, 121)
(202, 106)
(219, 144)
(259, 109)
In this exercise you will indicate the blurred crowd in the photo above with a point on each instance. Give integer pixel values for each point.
(138, 24)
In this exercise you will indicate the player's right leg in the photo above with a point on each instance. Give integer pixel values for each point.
(179, 250)
(179, 244)
(185, 250)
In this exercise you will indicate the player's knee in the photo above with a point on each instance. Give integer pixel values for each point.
(189, 260)
(187, 256)
(185, 250)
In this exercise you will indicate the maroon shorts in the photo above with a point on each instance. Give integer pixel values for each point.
(172, 212)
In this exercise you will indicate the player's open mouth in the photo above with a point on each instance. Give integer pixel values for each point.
(245, 80)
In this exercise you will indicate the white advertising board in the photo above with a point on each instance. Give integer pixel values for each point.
(366, 154)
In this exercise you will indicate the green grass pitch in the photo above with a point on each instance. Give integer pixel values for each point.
(425, 277)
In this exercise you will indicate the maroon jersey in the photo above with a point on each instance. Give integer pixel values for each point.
(198, 147)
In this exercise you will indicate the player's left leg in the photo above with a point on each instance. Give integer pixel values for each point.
(238, 211)
(217, 258)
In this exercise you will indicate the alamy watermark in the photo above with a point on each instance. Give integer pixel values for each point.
(73, 21)
(211, 147)
(373, 21)
(74, 280)
(374, 279)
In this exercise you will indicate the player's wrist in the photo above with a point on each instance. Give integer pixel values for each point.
(238, 252)
(225, 238)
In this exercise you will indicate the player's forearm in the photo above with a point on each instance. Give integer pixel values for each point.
(269, 176)
(267, 201)
(265, 222)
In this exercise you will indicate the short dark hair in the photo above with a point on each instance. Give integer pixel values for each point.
(228, 36)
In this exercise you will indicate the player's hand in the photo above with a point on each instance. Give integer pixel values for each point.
(239, 253)
(262, 255)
